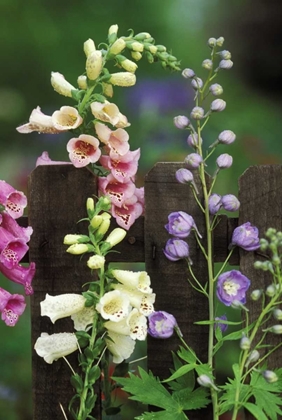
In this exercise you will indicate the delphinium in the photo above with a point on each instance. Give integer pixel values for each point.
(253, 387)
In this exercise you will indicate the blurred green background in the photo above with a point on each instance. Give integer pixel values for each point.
(40, 36)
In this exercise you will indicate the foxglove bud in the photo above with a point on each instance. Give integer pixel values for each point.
(197, 83)
(94, 65)
(90, 205)
(142, 35)
(103, 228)
(225, 64)
(181, 121)
(82, 82)
(224, 161)
(75, 239)
(96, 221)
(135, 46)
(226, 55)
(218, 105)
(188, 73)
(108, 89)
(126, 64)
(116, 236)
(230, 202)
(197, 113)
(89, 47)
(216, 89)
(214, 203)
(118, 46)
(270, 376)
(136, 55)
(211, 42)
(277, 313)
(112, 33)
(123, 79)
(256, 294)
(226, 137)
(220, 41)
(193, 160)
(153, 49)
(78, 249)
(193, 141)
(61, 85)
(96, 261)
(207, 64)
(245, 343)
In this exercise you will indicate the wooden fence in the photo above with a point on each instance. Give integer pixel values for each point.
(57, 196)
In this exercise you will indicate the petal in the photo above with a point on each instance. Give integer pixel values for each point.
(52, 347)
(38, 122)
(114, 306)
(83, 150)
(66, 118)
(121, 346)
(61, 306)
(83, 319)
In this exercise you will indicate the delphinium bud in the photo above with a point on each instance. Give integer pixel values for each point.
(256, 294)
(223, 327)
(176, 249)
(184, 176)
(230, 202)
(270, 376)
(181, 121)
(188, 73)
(277, 313)
(218, 105)
(224, 161)
(214, 203)
(205, 381)
(197, 113)
(225, 64)
(253, 357)
(245, 343)
(197, 83)
(220, 41)
(193, 140)
(225, 55)
(216, 89)
(270, 290)
(276, 329)
(226, 137)
(193, 160)
(207, 64)
(211, 42)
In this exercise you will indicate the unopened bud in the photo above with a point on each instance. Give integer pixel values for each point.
(116, 236)
(206, 381)
(245, 343)
(193, 140)
(118, 46)
(197, 113)
(226, 137)
(123, 79)
(135, 46)
(224, 161)
(211, 42)
(89, 47)
(226, 55)
(207, 64)
(78, 249)
(136, 55)
(193, 160)
(181, 121)
(253, 357)
(82, 82)
(61, 85)
(270, 376)
(216, 89)
(276, 329)
(220, 41)
(126, 64)
(96, 221)
(90, 205)
(112, 33)
(108, 89)
(188, 73)
(277, 313)
(197, 83)
(225, 64)
(270, 290)
(94, 65)
(256, 294)
(218, 105)
(96, 261)
(75, 239)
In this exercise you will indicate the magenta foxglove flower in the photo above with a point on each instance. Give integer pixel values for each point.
(19, 274)
(180, 224)
(230, 202)
(176, 249)
(161, 324)
(117, 192)
(12, 251)
(214, 203)
(232, 286)
(116, 141)
(12, 229)
(14, 201)
(127, 214)
(246, 237)
(11, 307)
(83, 150)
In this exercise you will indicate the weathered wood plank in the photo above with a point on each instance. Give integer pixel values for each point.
(260, 194)
(57, 196)
(163, 195)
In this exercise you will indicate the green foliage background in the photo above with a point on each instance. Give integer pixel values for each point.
(40, 36)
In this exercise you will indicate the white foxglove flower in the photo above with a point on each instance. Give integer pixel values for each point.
(40, 122)
(83, 320)
(66, 118)
(52, 347)
(106, 112)
(142, 301)
(61, 306)
(114, 306)
(121, 346)
(61, 85)
(139, 279)
(135, 326)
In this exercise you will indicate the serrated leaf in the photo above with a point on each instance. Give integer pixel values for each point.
(267, 395)
(162, 415)
(148, 390)
(199, 398)
(255, 411)
(187, 355)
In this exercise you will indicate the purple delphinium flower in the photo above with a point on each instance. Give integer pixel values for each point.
(246, 237)
(214, 203)
(232, 286)
(161, 324)
(11, 307)
(230, 202)
(219, 324)
(180, 224)
(176, 249)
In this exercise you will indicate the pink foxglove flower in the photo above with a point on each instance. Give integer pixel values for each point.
(11, 252)
(127, 214)
(19, 274)
(52, 347)
(11, 307)
(116, 141)
(83, 150)
(12, 229)
(116, 191)
(14, 201)
(66, 118)
(39, 122)
(124, 167)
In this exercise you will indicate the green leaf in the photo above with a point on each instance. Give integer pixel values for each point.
(199, 398)
(255, 411)
(162, 415)
(77, 383)
(180, 372)
(188, 355)
(148, 390)
(94, 374)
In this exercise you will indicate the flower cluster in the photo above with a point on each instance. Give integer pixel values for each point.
(99, 136)
(13, 246)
